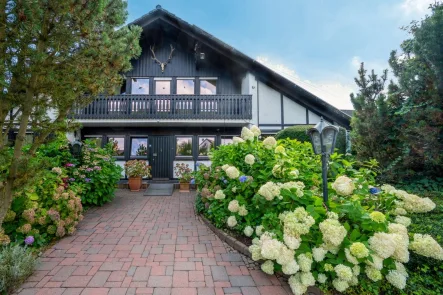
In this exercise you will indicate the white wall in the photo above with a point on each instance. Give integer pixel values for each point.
(293, 112)
(269, 105)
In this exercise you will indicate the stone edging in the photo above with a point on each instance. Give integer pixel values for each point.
(242, 248)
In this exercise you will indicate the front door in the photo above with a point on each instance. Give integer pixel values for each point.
(162, 151)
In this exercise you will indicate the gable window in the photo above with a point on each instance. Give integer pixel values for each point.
(205, 144)
(208, 86)
(184, 146)
(118, 146)
(139, 86)
(185, 86)
(163, 87)
(139, 147)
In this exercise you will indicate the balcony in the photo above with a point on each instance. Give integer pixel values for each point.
(168, 107)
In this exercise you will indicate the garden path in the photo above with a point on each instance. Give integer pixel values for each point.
(146, 245)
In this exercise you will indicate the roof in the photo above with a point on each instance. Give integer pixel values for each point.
(262, 72)
(348, 112)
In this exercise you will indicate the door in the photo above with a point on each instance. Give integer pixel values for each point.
(161, 156)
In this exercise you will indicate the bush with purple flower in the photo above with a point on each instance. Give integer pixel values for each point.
(29, 240)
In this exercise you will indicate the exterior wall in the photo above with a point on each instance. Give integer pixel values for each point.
(269, 105)
(293, 112)
(249, 86)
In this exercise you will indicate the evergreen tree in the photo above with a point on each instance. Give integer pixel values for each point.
(55, 55)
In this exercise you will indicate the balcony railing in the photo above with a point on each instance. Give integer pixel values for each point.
(191, 107)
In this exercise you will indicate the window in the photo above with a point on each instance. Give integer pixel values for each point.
(96, 139)
(205, 144)
(139, 86)
(208, 86)
(139, 147)
(226, 140)
(162, 87)
(184, 146)
(185, 86)
(118, 146)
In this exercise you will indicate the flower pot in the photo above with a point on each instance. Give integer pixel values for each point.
(184, 187)
(135, 183)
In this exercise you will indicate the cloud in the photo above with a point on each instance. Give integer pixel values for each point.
(377, 65)
(335, 93)
(415, 7)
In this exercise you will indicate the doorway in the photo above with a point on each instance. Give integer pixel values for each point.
(162, 151)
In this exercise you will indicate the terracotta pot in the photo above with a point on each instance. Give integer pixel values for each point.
(184, 187)
(135, 183)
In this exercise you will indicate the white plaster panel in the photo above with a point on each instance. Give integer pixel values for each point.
(313, 118)
(293, 112)
(191, 164)
(269, 105)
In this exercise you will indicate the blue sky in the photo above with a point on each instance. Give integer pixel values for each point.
(317, 43)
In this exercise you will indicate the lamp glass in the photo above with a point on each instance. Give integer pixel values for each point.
(316, 141)
(328, 135)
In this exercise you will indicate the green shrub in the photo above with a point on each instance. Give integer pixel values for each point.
(16, 264)
(299, 133)
(271, 192)
(96, 175)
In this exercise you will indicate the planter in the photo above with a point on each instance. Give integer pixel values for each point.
(135, 183)
(184, 187)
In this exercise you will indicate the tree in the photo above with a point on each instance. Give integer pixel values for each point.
(55, 55)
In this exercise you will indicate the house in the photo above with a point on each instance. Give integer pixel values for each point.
(189, 91)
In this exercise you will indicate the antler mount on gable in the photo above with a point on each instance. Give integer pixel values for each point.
(162, 64)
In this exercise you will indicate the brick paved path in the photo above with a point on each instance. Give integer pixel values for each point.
(146, 245)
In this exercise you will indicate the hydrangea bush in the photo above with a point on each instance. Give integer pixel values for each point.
(271, 192)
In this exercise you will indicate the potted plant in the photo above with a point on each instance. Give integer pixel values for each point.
(135, 170)
(184, 174)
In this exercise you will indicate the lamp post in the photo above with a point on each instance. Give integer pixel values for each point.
(323, 138)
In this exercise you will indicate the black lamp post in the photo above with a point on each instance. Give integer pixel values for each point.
(76, 148)
(323, 138)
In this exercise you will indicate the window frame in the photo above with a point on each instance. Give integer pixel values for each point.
(161, 79)
(149, 85)
(221, 137)
(185, 78)
(180, 157)
(131, 157)
(123, 157)
(207, 78)
(198, 145)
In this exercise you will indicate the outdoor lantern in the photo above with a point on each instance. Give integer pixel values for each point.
(323, 137)
(76, 148)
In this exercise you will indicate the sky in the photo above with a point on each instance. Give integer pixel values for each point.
(319, 44)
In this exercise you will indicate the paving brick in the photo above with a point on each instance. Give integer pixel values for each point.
(72, 291)
(117, 276)
(241, 281)
(141, 273)
(160, 281)
(274, 290)
(184, 266)
(219, 273)
(162, 291)
(77, 281)
(111, 266)
(95, 291)
(99, 279)
(180, 279)
(184, 291)
(250, 291)
(63, 274)
(206, 291)
(117, 291)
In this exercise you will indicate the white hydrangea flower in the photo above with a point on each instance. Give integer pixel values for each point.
(268, 267)
(373, 273)
(290, 268)
(225, 166)
(400, 211)
(340, 285)
(219, 195)
(356, 270)
(294, 173)
(413, 203)
(232, 221)
(269, 142)
(269, 190)
(277, 171)
(247, 134)
(280, 149)
(259, 230)
(233, 206)
(305, 262)
(406, 221)
(234, 189)
(331, 248)
(396, 279)
(291, 241)
(319, 254)
(331, 215)
(377, 262)
(255, 251)
(349, 257)
(232, 172)
(401, 269)
(401, 252)
(359, 250)
(296, 285)
(397, 228)
(298, 222)
(286, 255)
(333, 232)
(271, 249)
(426, 246)
(248, 231)
(353, 281)
(256, 131)
(297, 185)
(344, 186)
(322, 278)
(387, 188)
(307, 279)
(249, 159)
(343, 272)
(242, 211)
(383, 244)
(236, 140)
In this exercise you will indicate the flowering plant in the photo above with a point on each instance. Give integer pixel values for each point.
(183, 172)
(360, 235)
(137, 168)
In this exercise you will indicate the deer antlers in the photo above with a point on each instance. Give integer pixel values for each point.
(162, 64)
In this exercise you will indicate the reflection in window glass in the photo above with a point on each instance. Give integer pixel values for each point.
(205, 144)
(208, 86)
(118, 146)
(185, 86)
(96, 139)
(163, 87)
(184, 146)
(139, 147)
(139, 86)
(226, 140)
